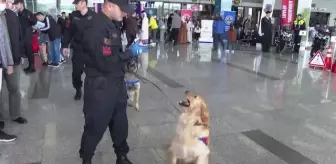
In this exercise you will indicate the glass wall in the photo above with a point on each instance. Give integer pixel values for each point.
(46, 6)
(66, 6)
(50, 6)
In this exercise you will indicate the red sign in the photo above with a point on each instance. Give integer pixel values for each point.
(287, 12)
(186, 14)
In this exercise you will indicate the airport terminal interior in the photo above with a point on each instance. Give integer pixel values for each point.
(264, 109)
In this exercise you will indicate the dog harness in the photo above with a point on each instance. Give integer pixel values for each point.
(132, 82)
(205, 140)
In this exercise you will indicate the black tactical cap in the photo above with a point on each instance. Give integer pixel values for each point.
(18, 1)
(77, 1)
(124, 6)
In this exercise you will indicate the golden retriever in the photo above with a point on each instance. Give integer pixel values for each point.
(190, 144)
(132, 83)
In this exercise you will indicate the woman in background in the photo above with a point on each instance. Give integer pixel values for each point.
(197, 31)
(190, 27)
(43, 40)
(144, 34)
(183, 32)
(232, 38)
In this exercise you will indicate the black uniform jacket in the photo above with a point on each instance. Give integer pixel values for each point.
(15, 35)
(78, 25)
(103, 48)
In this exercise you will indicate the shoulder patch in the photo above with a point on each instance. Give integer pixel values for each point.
(115, 36)
(76, 18)
(107, 41)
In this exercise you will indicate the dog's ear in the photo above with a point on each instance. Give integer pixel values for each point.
(204, 113)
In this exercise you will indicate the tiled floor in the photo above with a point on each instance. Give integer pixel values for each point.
(265, 109)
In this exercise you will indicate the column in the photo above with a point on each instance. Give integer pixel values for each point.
(222, 5)
(303, 8)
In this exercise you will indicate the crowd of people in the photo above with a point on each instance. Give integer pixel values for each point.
(95, 39)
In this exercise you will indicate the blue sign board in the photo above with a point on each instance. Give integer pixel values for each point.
(229, 17)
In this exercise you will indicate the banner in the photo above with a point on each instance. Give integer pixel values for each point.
(151, 11)
(287, 12)
(268, 5)
(229, 18)
(206, 31)
(186, 14)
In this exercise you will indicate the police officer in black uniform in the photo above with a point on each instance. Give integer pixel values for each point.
(105, 96)
(81, 20)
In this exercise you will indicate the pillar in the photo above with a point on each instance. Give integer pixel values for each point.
(222, 5)
(303, 8)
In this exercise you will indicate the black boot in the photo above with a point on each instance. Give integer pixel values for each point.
(123, 160)
(78, 94)
(87, 162)
(29, 69)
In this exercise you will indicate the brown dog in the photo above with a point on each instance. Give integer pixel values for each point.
(192, 132)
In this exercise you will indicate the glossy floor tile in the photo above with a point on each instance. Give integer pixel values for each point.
(264, 108)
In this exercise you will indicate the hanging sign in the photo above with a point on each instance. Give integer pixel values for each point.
(229, 18)
(317, 60)
(287, 12)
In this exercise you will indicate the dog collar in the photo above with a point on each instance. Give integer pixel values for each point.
(132, 82)
(205, 140)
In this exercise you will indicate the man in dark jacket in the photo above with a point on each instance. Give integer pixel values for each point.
(130, 27)
(27, 20)
(54, 33)
(62, 20)
(11, 78)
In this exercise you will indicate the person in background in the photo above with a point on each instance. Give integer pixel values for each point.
(42, 40)
(197, 31)
(219, 30)
(175, 27)
(299, 24)
(10, 59)
(27, 20)
(190, 27)
(183, 32)
(130, 27)
(62, 22)
(153, 25)
(80, 21)
(247, 25)
(266, 31)
(232, 38)
(54, 33)
(144, 34)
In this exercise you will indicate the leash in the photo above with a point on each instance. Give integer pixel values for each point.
(158, 88)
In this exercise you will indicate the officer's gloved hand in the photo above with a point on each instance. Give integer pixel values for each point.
(137, 48)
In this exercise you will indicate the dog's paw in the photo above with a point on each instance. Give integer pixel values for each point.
(137, 107)
(130, 104)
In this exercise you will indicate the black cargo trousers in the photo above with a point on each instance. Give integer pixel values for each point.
(105, 102)
(77, 66)
(27, 46)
